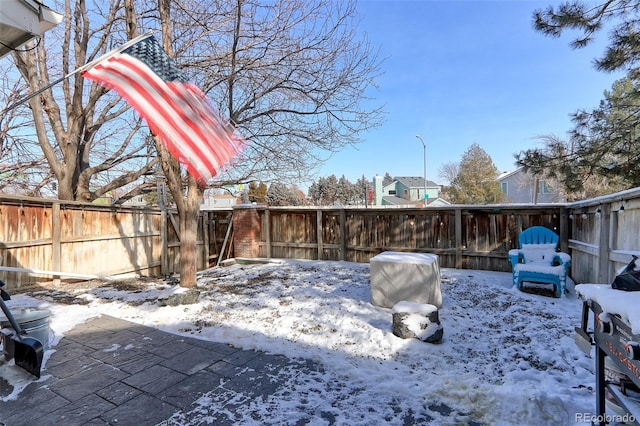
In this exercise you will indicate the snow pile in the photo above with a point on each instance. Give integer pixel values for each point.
(623, 303)
(507, 357)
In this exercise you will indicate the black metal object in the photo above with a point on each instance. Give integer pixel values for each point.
(583, 337)
(27, 351)
(613, 338)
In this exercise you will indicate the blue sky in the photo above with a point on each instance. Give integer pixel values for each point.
(464, 72)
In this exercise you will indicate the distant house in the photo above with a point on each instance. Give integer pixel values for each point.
(406, 191)
(522, 187)
(213, 201)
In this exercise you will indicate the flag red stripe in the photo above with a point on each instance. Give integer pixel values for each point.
(177, 112)
(159, 108)
(160, 118)
(194, 98)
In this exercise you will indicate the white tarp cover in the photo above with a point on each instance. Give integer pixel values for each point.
(412, 277)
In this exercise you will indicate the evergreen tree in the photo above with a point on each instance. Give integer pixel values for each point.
(623, 51)
(387, 179)
(280, 194)
(344, 191)
(315, 193)
(327, 191)
(602, 154)
(476, 180)
(330, 190)
(362, 188)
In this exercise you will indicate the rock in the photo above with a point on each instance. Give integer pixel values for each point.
(419, 321)
(186, 297)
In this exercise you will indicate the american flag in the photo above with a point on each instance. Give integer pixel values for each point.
(175, 110)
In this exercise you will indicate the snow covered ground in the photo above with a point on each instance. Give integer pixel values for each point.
(507, 357)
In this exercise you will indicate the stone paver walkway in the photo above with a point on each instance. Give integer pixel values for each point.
(113, 372)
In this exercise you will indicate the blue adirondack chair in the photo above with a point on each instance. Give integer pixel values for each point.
(538, 261)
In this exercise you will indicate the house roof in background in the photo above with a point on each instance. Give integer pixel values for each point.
(397, 201)
(414, 181)
(438, 201)
(505, 175)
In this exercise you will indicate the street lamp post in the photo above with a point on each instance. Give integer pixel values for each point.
(424, 147)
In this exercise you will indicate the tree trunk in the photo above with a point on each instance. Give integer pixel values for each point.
(188, 206)
(189, 235)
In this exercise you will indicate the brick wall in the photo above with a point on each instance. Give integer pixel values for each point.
(246, 231)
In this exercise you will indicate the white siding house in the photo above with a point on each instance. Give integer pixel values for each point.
(522, 187)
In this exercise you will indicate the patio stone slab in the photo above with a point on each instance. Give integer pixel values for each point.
(177, 346)
(184, 393)
(140, 361)
(222, 348)
(81, 411)
(154, 379)
(118, 393)
(34, 402)
(70, 349)
(193, 360)
(87, 381)
(71, 366)
(141, 410)
(240, 358)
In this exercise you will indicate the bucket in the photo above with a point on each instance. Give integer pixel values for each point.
(33, 322)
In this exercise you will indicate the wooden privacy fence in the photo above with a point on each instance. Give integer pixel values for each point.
(600, 234)
(467, 237)
(604, 234)
(41, 240)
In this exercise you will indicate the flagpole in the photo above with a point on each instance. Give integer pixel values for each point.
(77, 70)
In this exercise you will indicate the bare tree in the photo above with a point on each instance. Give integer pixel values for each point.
(290, 74)
(23, 168)
(449, 172)
(92, 142)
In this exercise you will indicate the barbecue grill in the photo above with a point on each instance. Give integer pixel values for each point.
(617, 380)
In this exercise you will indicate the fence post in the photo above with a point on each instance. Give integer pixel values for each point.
(604, 243)
(564, 230)
(343, 234)
(164, 249)
(205, 238)
(613, 238)
(458, 237)
(266, 222)
(56, 248)
(319, 234)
